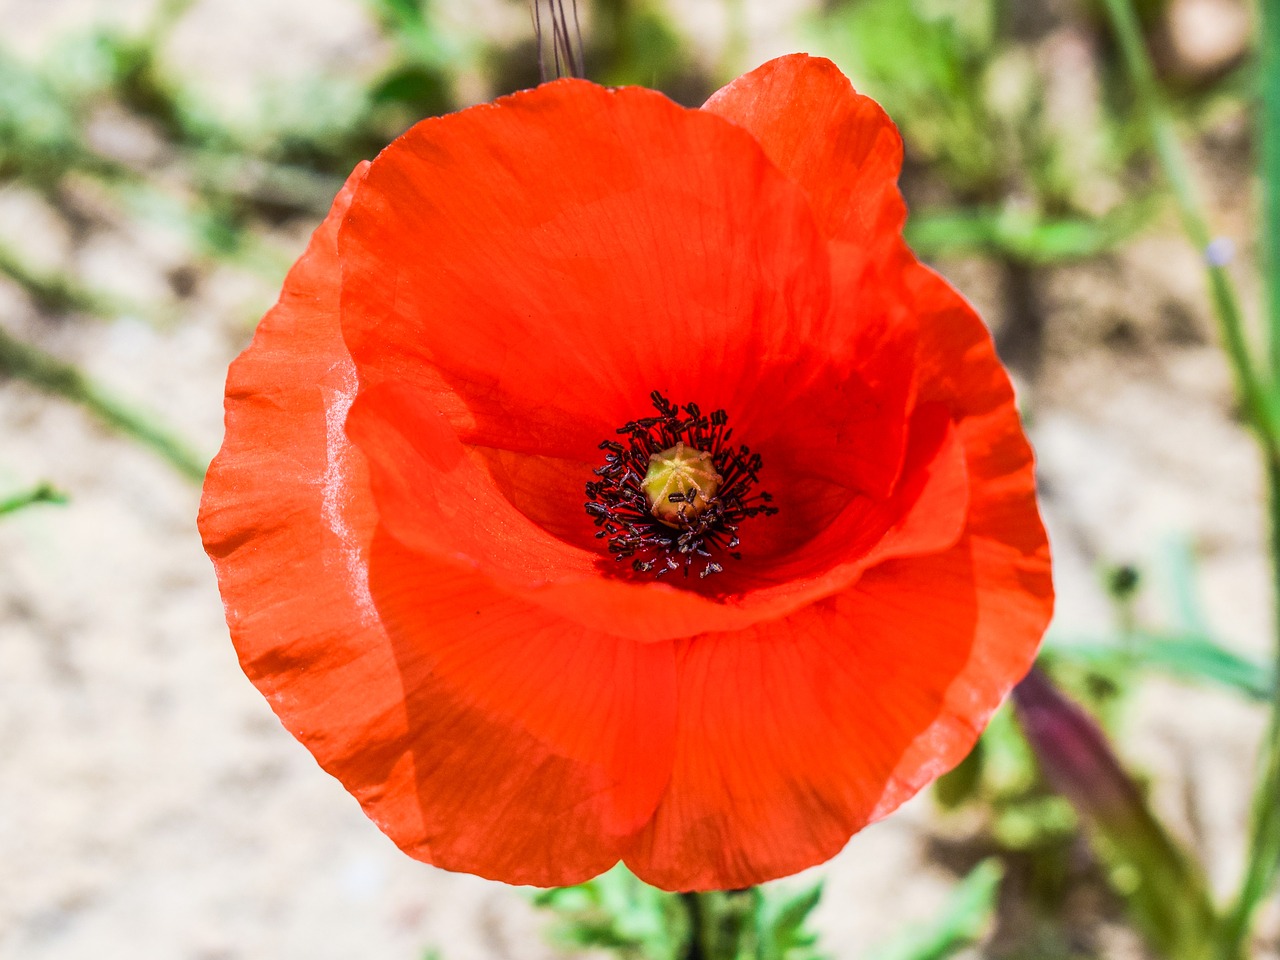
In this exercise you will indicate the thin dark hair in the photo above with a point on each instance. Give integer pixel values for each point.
(568, 58)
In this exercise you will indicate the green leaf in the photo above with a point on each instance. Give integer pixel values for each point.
(40, 136)
(1263, 869)
(1021, 235)
(399, 11)
(57, 292)
(412, 24)
(43, 493)
(782, 917)
(1187, 656)
(413, 85)
(1198, 657)
(620, 913)
(961, 784)
(1179, 566)
(963, 920)
(636, 43)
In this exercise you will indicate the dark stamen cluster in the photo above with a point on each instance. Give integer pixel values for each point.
(617, 503)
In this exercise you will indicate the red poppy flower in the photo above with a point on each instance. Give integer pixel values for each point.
(404, 514)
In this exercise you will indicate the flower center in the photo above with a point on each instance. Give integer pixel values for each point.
(680, 484)
(675, 493)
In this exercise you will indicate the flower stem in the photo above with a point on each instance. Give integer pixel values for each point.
(1173, 161)
(28, 362)
(1263, 863)
(722, 924)
(1264, 830)
(1269, 70)
(692, 904)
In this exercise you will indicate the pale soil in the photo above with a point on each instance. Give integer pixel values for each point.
(151, 806)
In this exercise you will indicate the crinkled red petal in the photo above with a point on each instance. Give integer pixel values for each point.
(788, 733)
(287, 518)
(535, 749)
(480, 734)
(539, 265)
(845, 153)
(1012, 572)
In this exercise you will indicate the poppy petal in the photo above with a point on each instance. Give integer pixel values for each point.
(575, 248)
(535, 748)
(1008, 545)
(888, 683)
(289, 522)
(845, 153)
(788, 734)
(838, 145)
(287, 519)
(839, 138)
(437, 494)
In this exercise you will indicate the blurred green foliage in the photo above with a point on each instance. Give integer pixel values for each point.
(1026, 183)
(619, 914)
(41, 137)
(1034, 823)
(42, 493)
(1161, 885)
(636, 43)
(960, 924)
(1175, 640)
(935, 66)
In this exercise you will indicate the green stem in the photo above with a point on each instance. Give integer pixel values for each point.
(722, 924)
(43, 493)
(1269, 69)
(1264, 834)
(1263, 864)
(1177, 170)
(697, 924)
(46, 372)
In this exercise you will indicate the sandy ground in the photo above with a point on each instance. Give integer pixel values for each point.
(152, 807)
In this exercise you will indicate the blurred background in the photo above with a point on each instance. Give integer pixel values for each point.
(161, 164)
